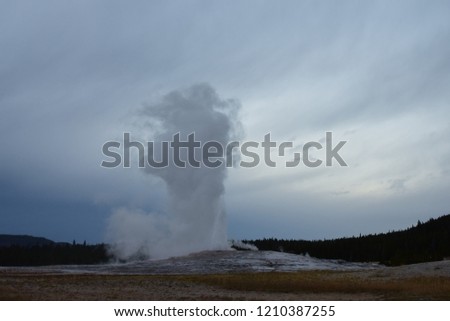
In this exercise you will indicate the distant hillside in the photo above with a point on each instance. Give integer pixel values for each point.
(23, 240)
(24, 250)
(423, 242)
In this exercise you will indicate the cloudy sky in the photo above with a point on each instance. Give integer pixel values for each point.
(376, 74)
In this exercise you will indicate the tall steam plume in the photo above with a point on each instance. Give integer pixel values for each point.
(195, 218)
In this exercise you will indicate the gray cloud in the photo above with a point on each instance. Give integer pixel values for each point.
(72, 75)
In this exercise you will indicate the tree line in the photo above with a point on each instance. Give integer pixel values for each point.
(429, 241)
(53, 254)
(424, 242)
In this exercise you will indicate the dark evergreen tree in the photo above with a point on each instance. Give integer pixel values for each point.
(428, 241)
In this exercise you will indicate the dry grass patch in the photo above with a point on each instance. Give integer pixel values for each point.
(274, 285)
(427, 288)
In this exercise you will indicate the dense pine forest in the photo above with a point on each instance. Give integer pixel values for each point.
(424, 242)
(51, 253)
(429, 241)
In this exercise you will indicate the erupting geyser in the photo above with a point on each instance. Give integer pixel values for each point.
(195, 218)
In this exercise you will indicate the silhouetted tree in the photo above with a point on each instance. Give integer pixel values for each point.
(428, 241)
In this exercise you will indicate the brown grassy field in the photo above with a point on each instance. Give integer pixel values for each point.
(335, 283)
(384, 284)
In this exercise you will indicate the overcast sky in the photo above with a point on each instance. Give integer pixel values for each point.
(375, 73)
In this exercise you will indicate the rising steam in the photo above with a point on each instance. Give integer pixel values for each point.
(195, 218)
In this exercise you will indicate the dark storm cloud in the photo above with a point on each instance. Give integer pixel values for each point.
(375, 73)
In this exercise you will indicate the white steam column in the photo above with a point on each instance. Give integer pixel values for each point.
(195, 219)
